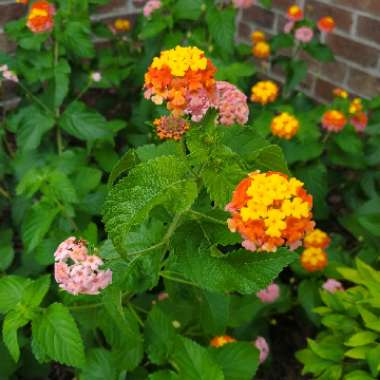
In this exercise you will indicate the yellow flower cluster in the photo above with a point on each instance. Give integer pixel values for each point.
(180, 60)
(314, 259)
(356, 106)
(285, 126)
(261, 48)
(122, 25)
(317, 238)
(265, 191)
(264, 92)
(340, 93)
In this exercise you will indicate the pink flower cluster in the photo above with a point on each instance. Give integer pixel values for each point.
(76, 271)
(243, 3)
(269, 294)
(8, 74)
(332, 286)
(304, 34)
(151, 6)
(262, 345)
(228, 100)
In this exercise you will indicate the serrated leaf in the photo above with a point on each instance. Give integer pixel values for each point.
(160, 336)
(36, 224)
(271, 158)
(35, 292)
(77, 39)
(12, 322)
(57, 334)
(238, 360)
(187, 10)
(164, 181)
(194, 362)
(99, 366)
(11, 291)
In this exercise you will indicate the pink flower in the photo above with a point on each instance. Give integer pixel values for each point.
(359, 121)
(304, 34)
(96, 76)
(243, 3)
(249, 246)
(262, 345)
(198, 104)
(3, 68)
(76, 271)
(162, 296)
(151, 6)
(288, 26)
(332, 286)
(10, 75)
(269, 294)
(231, 104)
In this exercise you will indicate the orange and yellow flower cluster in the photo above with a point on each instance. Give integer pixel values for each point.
(170, 127)
(285, 126)
(269, 210)
(314, 257)
(220, 341)
(122, 25)
(334, 120)
(261, 48)
(264, 92)
(176, 75)
(41, 17)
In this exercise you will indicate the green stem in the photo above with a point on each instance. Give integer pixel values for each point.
(4, 193)
(165, 274)
(35, 99)
(59, 140)
(134, 313)
(207, 217)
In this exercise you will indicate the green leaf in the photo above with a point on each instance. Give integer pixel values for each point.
(31, 124)
(163, 375)
(127, 162)
(99, 366)
(77, 39)
(164, 181)
(297, 72)
(194, 362)
(160, 336)
(6, 249)
(358, 375)
(56, 334)
(281, 41)
(239, 271)
(35, 292)
(187, 10)
(328, 349)
(221, 24)
(11, 292)
(60, 187)
(271, 157)
(153, 27)
(308, 297)
(312, 362)
(320, 52)
(61, 82)
(83, 123)
(12, 322)
(37, 223)
(233, 72)
(361, 339)
(358, 352)
(87, 179)
(238, 360)
(373, 359)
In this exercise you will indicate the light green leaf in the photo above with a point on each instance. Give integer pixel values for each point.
(11, 291)
(77, 39)
(271, 157)
(164, 181)
(358, 375)
(35, 292)
(56, 334)
(61, 82)
(194, 362)
(87, 179)
(361, 339)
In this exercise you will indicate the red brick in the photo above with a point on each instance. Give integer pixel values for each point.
(353, 51)
(363, 83)
(259, 16)
(324, 89)
(282, 4)
(369, 28)
(244, 31)
(368, 6)
(315, 10)
(112, 5)
(11, 12)
(336, 71)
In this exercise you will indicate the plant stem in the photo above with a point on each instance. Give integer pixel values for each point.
(59, 140)
(176, 279)
(207, 217)
(4, 193)
(134, 313)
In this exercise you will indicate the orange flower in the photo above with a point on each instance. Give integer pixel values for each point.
(333, 120)
(220, 341)
(25, 2)
(41, 17)
(170, 127)
(359, 121)
(270, 210)
(326, 24)
(340, 93)
(261, 50)
(317, 239)
(264, 92)
(258, 36)
(314, 259)
(285, 126)
(295, 13)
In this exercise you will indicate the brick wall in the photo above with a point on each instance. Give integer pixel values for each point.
(356, 41)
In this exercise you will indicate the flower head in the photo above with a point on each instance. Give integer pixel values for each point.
(304, 34)
(96, 76)
(261, 50)
(333, 120)
(288, 27)
(326, 24)
(41, 17)
(269, 210)
(359, 121)
(10, 75)
(317, 238)
(25, 2)
(122, 25)
(231, 104)
(264, 92)
(332, 286)
(270, 294)
(294, 13)
(314, 259)
(170, 127)
(258, 36)
(263, 347)
(220, 341)
(285, 126)
(355, 106)
(151, 6)
(243, 3)
(76, 271)
(177, 75)
(340, 93)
